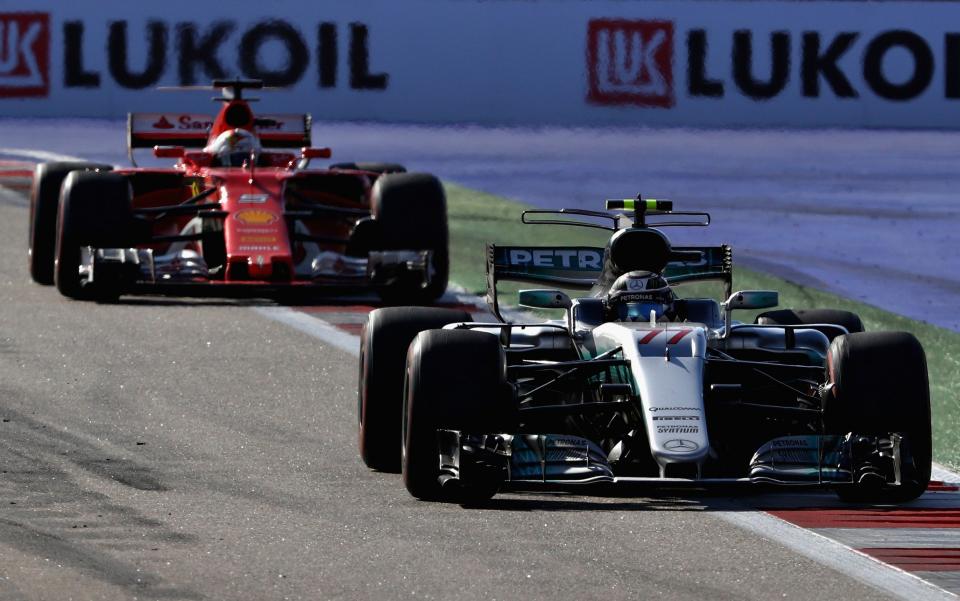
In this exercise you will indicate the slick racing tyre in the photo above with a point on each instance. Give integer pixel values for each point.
(455, 380)
(411, 214)
(95, 210)
(792, 317)
(877, 386)
(374, 167)
(383, 354)
(44, 202)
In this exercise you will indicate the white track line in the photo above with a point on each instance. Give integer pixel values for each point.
(40, 155)
(805, 542)
(313, 326)
(837, 556)
(821, 549)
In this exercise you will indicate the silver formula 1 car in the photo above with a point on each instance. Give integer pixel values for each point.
(640, 382)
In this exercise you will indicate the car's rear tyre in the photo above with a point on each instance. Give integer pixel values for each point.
(374, 167)
(790, 317)
(383, 355)
(456, 380)
(95, 210)
(411, 212)
(878, 385)
(44, 203)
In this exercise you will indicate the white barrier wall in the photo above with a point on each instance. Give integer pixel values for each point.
(889, 64)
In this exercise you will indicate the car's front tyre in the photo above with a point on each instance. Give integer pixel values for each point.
(455, 380)
(384, 340)
(878, 385)
(44, 205)
(95, 210)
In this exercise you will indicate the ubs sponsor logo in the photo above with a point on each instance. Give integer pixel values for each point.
(630, 62)
(24, 54)
(255, 217)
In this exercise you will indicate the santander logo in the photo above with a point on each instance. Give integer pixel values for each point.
(162, 123)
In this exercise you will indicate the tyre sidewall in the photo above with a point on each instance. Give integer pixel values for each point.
(384, 342)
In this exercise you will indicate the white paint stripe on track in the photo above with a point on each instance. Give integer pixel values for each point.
(808, 543)
(39, 155)
(944, 474)
(838, 556)
(900, 538)
(313, 326)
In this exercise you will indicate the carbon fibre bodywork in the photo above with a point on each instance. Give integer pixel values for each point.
(691, 398)
(207, 226)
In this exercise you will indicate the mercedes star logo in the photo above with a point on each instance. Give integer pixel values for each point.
(681, 445)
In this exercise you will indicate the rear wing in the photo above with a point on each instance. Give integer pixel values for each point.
(579, 267)
(146, 130)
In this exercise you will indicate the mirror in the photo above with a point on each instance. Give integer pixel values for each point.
(752, 299)
(315, 153)
(168, 152)
(544, 299)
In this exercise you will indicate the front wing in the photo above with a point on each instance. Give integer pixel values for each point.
(528, 459)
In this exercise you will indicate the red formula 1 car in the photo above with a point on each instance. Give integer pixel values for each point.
(240, 210)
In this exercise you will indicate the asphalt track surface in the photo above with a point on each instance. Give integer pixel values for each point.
(179, 449)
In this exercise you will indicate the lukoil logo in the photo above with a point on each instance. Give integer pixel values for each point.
(24, 54)
(630, 62)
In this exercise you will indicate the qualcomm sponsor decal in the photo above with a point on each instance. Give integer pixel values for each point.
(193, 52)
(632, 62)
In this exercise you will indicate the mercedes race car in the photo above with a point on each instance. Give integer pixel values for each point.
(644, 380)
(241, 209)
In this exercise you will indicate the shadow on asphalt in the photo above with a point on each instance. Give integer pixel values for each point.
(647, 498)
(211, 299)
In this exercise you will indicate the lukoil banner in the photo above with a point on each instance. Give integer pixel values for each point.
(891, 64)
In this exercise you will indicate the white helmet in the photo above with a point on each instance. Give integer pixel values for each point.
(636, 293)
(234, 147)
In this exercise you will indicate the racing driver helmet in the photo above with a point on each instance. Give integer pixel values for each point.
(636, 293)
(234, 147)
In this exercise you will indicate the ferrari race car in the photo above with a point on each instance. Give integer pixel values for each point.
(640, 382)
(240, 210)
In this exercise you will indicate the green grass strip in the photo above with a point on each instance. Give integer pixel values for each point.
(477, 218)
